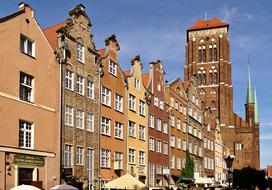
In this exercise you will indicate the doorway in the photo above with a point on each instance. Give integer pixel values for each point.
(25, 176)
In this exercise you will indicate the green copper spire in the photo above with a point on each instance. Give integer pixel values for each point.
(249, 92)
(256, 111)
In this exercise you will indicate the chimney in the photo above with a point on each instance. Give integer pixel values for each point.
(21, 5)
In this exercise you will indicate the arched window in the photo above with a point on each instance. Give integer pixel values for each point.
(199, 79)
(214, 52)
(203, 79)
(213, 104)
(215, 77)
(210, 77)
(204, 54)
(210, 53)
(199, 54)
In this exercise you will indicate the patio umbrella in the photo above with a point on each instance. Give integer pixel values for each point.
(64, 187)
(25, 187)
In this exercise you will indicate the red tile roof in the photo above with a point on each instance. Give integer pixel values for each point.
(269, 170)
(127, 73)
(204, 24)
(51, 34)
(101, 52)
(145, 78)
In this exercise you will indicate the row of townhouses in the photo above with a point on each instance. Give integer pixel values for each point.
(69, 110)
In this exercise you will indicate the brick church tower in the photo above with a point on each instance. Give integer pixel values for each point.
(208, 59)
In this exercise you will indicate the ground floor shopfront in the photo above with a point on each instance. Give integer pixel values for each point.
(29, 167)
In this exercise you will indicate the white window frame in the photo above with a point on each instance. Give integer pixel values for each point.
(178, 143)
(80, 52)
(151, 121)
(159, 146)
(159, 124)
(151, 144)
(69, 115)
(26, 134)
(118, 102)
(131, 155)
(105, 126)
(80, 119)
(106, 96)
(27, 45)
(90, 122)
(118, 130)
(90, 89)
(161, 104)
(118, 160)
(165, 127)
(165, 148)
(184, 145)
(172, 141)
(105, 158)
(131, 129)
(178, 124)
(80, 85)
(112, 67)
(142, 158)
(172, 161)
(80, 155)
(156, 101)
(90, 164)
(132, 102)
(141, 132)
(68, 156)
(137, 83)
(142, 107)
(26, 87)
(69, 80)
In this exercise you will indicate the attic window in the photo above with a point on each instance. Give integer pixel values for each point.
(27, 46)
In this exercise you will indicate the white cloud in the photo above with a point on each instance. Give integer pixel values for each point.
(231, 14)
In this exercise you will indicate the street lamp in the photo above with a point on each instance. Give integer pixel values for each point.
(229, 161)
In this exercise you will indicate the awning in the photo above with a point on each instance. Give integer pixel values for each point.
(203, 180)
(126, 181)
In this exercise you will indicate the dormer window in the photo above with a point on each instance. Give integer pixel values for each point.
(112, 68)
(80, 52)
(27, 46)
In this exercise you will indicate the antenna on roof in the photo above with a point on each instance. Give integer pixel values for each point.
(206, 15)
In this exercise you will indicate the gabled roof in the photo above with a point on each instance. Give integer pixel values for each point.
(145, 78)
(51, 34)
(127, 73)
(205, 24)
(101, 52)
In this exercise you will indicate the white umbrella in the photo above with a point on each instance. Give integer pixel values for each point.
(25, 187)
(200, 180)
(64, 187)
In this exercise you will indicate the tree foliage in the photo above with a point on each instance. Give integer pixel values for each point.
(188, 171)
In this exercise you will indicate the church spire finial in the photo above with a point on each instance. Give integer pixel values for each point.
(249, 92)
(256, 111)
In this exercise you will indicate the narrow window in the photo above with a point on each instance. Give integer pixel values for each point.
(26, 134)
(214, 52)
(80, 52)
(26, 87)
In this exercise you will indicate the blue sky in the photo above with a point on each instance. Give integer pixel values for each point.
(155, 29)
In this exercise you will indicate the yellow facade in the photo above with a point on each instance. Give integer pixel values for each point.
(218, 154)
(137, 118)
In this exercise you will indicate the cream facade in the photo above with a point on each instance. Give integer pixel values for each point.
(29, 132)
(137, 122)
(218, 154)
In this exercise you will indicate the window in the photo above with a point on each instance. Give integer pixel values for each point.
(215, 77)
(165, 148)
(210, 53)
(172, 102)
(156, 101)
(211, 77)
(209, 127)
(212, 145)
(141, 132)
(131, 129)
(141, 157)
(214, 52)
(105, 158)
(69, 78)
(90, 122)
(159, 146)
(118, 102)
(118, 130)
(137, 83)
(178, 124)
(68, 155)
(172, 141)
(159, 169)
(190, 129)
(79, 155)
(161, 104)
(26, 134)
(27, 46)
(184, 127)
(205, 143)
(151, 121)
(80, 85)
(178, 162)
(105, 124)
(131, 102)
(165, 128)
(90, 89)
(151, 143)
(172, 120)
(176, 105)
(26, 87)
(183, 162)
(195, 149)
(90, 164)
(131, 156)
(151, 174)
(106, 96)
(80, 119)
(112, 68)
(172, 161)
(184, 146)
(80, 52)
(142, 107)
(178, 143)
(118, 160)
(190, 147)
(68, 115)
(159, 127)
(180, 108)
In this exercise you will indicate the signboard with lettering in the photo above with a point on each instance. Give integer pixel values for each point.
(28, 160)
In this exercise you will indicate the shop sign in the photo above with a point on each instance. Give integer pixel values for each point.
(28, 160)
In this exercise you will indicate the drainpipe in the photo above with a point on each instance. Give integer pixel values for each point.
(99, 118)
